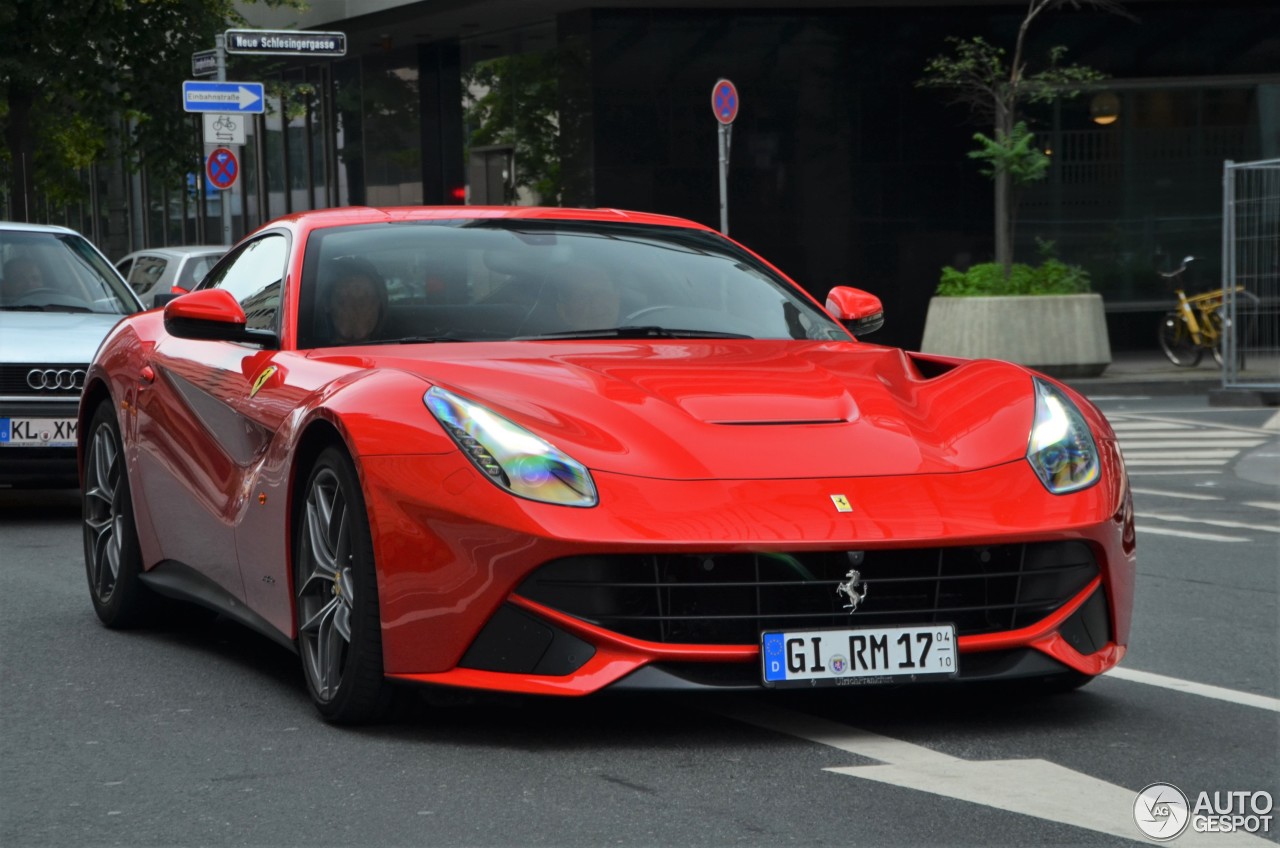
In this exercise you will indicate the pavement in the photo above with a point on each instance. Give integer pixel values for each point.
(1150, 373)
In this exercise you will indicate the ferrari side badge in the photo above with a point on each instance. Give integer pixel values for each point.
(842, 503)
(262, 379)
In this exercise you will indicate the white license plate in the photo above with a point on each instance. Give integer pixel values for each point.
(37, 432)
(858, 656)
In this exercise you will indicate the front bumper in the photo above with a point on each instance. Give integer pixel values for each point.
(453, 552)
(39, 467)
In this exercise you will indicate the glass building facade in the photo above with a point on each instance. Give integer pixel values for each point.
(842, 169)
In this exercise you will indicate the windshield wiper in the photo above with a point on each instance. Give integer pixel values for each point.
(416, 340)
(634, 332)
(48, 307)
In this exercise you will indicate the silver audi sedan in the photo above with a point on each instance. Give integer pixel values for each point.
(58, 298)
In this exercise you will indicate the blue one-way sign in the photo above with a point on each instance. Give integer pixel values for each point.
(243, 97)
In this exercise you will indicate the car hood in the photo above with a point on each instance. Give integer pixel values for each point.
(53, 337)
(743, 410)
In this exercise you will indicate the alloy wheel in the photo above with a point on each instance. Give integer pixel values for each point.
(326, 585)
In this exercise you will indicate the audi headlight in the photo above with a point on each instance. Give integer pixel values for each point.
(510, 455)
(1061, 448)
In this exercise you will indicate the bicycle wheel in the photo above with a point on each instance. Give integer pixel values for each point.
(1176, 342)
(1220, 328)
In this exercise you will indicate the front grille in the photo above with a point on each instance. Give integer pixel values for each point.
(729, 599)
(54, 381)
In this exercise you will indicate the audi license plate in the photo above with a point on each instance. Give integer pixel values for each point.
(859, 656)
(37, 432)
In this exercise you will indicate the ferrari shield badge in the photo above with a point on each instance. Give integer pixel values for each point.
(842, 503)
(261, 379)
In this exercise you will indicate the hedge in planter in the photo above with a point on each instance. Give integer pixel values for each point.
(1040, 316)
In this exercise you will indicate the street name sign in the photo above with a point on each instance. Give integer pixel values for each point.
(204, 63)
(286, 42)
(238, 97)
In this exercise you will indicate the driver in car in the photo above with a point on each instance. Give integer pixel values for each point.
(21, 276)
(587, 298)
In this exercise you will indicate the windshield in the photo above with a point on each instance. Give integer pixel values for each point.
(473, 280)
(58, 272)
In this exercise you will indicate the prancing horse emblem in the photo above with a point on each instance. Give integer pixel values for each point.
(849, 588)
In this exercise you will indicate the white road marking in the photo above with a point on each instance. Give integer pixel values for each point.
(1198, 472)
(1211, 522)
(1273, 423)
(1121, 426)
(1204, 690)
(1187, 534)
(1185, 495)
(1263, 505)
(1210, 442)
(1035, 788)
(1144, 460)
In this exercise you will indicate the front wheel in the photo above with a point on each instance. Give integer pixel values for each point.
(112, 559)
(339, 631)
(1176, 341)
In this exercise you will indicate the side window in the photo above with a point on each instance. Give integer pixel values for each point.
(146, 273)
(254, 275)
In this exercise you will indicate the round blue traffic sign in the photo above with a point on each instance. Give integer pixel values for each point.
(724, 101)
(222, 168)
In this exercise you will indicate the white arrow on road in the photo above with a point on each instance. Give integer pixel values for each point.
(245, 97)
(1035, 788)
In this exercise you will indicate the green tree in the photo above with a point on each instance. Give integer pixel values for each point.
(514, 100)
(994, 87)
(76, 74)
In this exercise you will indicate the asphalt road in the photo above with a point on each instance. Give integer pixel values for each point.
(199, 733)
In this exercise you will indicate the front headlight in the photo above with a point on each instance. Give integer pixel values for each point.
(1061, 448)
(510, 455)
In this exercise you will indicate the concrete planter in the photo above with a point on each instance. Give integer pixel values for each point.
(1061, 335)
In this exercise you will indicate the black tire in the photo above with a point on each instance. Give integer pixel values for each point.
(1176, 342)
(112, 559)
(336, 595)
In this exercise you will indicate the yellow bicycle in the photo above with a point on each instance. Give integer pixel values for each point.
(1196, 325)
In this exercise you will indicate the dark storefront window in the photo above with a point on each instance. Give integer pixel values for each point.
(1136, 181)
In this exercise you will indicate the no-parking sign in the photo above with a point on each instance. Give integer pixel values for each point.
(222, 168)
(724, 101)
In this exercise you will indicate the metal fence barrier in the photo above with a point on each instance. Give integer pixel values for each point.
(1251, 262)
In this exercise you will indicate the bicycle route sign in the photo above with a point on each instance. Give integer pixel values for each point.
(224, 130)
(222, 168)
(244, 98)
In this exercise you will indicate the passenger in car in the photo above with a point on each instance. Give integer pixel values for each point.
(21, 276)
(355, 308)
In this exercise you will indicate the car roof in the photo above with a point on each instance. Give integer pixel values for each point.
(321, 218)
(23, 227)
(180, 250)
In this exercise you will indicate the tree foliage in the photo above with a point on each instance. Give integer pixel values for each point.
(78, 75)
(994, 86)
(515, 101)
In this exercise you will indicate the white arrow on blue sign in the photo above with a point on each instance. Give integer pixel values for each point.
(242, 97)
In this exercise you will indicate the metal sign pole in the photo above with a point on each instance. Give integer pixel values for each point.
(224, 198)
(724, 105)
(724, 179)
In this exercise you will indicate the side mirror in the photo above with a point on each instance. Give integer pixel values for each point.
(164, 298)
(211, 315)
(860, 311)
